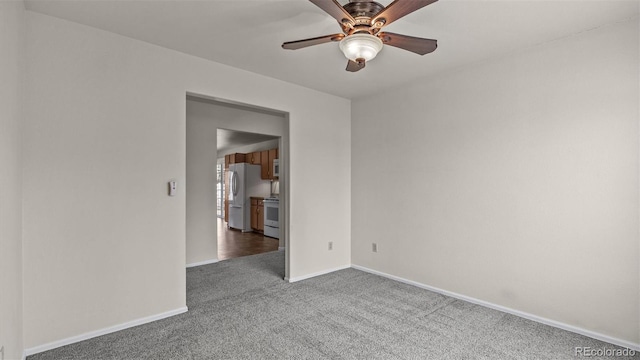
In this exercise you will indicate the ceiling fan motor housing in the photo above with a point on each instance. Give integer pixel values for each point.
(363, 12)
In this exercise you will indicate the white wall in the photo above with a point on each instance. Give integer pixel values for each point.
(11, 114)
(203, 121)
(104, 132)
(513, 181)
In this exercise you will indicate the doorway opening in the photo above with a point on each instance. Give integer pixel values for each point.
(221, 135)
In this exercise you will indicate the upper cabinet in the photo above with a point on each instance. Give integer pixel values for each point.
(254, 158)
(263, 158)
(267, 157)
(234, 159)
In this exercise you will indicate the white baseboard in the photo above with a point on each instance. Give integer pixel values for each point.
(309, 276)
(206, 262)
(92, 334)
(542, 320)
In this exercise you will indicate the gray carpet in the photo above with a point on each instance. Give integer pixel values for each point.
(242, 309)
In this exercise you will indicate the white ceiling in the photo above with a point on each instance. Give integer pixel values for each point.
(230, 139)
(247, 34)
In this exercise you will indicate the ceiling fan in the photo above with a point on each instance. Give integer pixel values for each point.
(361, 22)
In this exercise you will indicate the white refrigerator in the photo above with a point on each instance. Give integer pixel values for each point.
(245, 182)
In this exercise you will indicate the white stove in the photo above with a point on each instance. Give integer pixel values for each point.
(272, 217)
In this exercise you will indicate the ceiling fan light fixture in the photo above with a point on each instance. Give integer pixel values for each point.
(361, 46)
(361, 22)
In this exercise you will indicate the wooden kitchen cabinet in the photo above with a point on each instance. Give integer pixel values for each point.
(254, 158)
(234, 159)
(267, 157)
(263, 158)
(257, 213)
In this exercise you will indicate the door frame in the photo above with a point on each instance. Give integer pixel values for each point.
(284, 155)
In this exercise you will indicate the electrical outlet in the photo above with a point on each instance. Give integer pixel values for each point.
(330, 245)
(374, 247)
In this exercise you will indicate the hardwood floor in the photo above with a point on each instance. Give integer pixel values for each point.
(234, 243)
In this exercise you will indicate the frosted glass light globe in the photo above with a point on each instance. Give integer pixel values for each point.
(360, 46)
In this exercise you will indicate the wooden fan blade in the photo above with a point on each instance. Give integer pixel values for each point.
(299, 44)
(354, 66)
(417, 45)
(333, 8)
(398, 9)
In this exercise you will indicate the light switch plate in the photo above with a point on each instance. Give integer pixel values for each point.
(173, 188)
